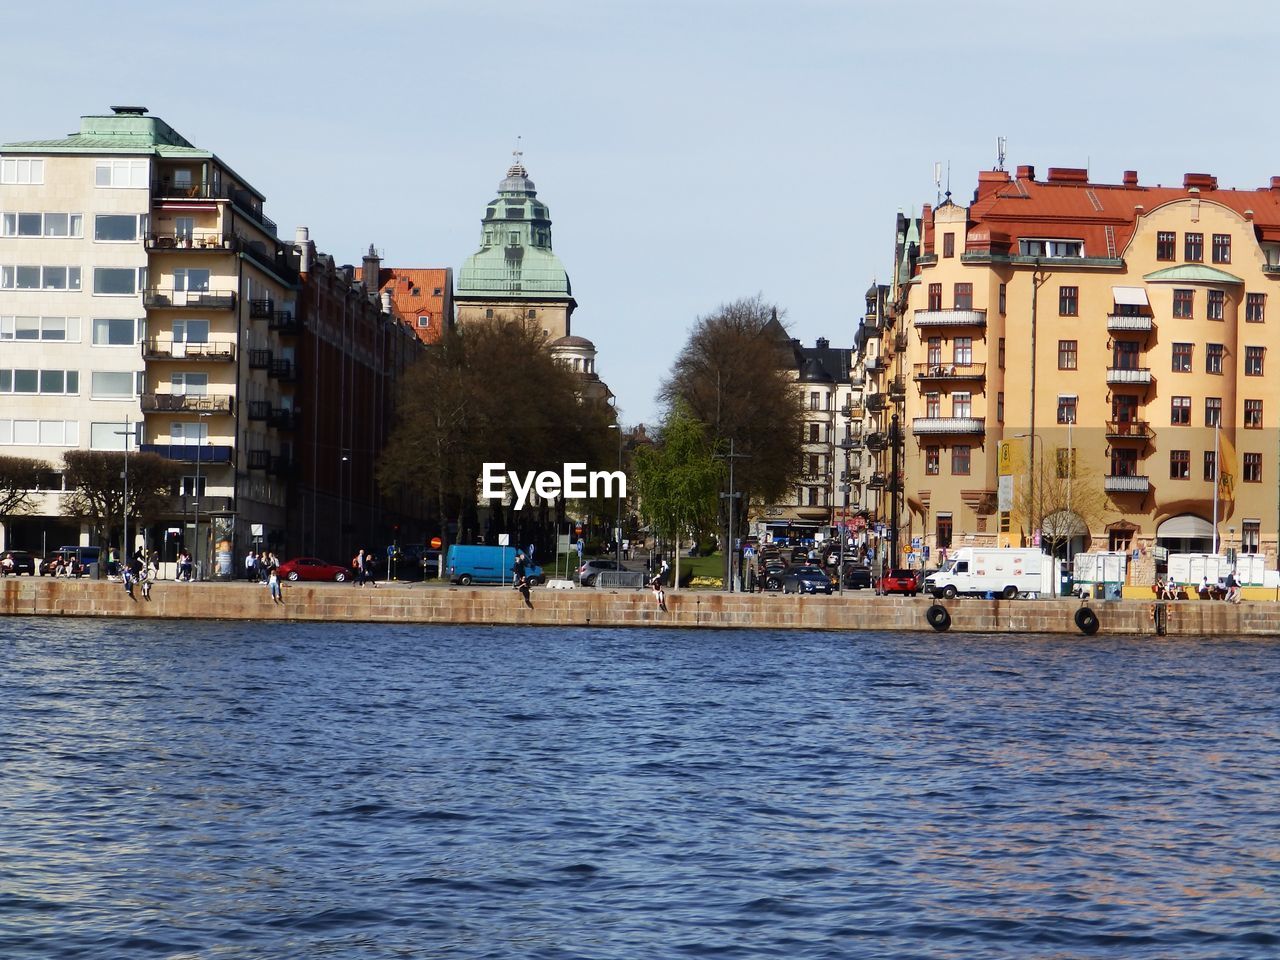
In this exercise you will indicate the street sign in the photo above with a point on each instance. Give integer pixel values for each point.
(504, 539)
(913, 558)
(917, 543)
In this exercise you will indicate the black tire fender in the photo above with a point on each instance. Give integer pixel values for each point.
(1086, 621)
(938, 617)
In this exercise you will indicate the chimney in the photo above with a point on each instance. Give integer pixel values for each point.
(386, 301)
(1131, 178)
(372, 269)
(302, 243)
(822, 343)
(1205, 181)
(989, 181)
(1026, 172)
(1275, 183)
(1068, 175)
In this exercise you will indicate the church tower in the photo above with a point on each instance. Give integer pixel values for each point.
(515, 274)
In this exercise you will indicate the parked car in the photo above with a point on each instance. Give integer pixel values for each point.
(466, 564)
(588, 572)
(901, 581)
(857, 578)
(417, 561)
(84, 556)
(312, 568)
(806, 579)
(23, 562)
(772, 573)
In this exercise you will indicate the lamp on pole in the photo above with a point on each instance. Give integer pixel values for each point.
(1071, 469)
(124, 475)
(200, 430)
(617, 513)
(730, 550)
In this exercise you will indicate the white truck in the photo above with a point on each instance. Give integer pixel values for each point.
(1004, 572)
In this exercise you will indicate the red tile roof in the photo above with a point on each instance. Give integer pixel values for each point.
(417, 293)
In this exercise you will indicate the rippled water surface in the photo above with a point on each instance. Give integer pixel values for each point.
(234, 791)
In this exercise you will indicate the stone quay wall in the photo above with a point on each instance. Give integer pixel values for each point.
(27, 596)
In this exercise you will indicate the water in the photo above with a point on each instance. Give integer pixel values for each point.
(218, 790)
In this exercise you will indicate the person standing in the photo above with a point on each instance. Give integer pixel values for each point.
(357, 567)
(251, 565)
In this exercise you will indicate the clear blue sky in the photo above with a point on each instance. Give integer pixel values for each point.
(691, 152)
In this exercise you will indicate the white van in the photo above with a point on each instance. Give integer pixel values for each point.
(1005, 572)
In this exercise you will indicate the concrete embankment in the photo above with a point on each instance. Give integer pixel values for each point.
(27, 596)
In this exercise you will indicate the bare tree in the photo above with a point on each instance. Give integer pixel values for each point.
(1068, 499)
(95, 486)
(19, 478)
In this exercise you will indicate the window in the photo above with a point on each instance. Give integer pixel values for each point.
(1183, 303)
(1253, 361)
(1065, 461)
(948, 244)
(1222, 248)
(1124, 462)
(813, 465)
(935, 296)
(813, 433)
(962, 351)
(42, 225)
(942, 531)
(1253, 414)
(1067, 409)
(1124, 408)
(1210, 466)
(121, 173)
(1180, 414)
(1000, 407)
(1255, 307)
(107, 436)
(1166, 240)
(1067, 354)
(531, 314)
(962, 404)
(1213, 411)
(1003, 298)
(40, 328)
(1253, 468)
(187, 331)
(115, 281)
(192, 281)
(813, 400)
(1179, 464)
(1193, 247)
(1068, 301)
(39, 278)
(1213, 357)
(1000, 352)
(114, 333)
(424, 322)
(45, 433)
(115, 228)
(1214, 307)
(112, 385)
(960, 457)
(1124, 354)
(963, 293)
(190, 485)
(1182, 358)
(21, 171)
(40, 381)
(931, 461)
(1051, 248)
(933, 353)
(932, 405)
(1250, 536)
(190, 384)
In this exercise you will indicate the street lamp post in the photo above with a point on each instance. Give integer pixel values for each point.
(124, 508)
(200, 429)
(730, 550)
(617, 513)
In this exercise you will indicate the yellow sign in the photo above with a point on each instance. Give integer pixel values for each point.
(1009, 458)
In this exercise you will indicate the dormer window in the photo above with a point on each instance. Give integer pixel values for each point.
(1050, 248)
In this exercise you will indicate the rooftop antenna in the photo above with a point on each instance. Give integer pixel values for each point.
(937, 181)
(1001, 143)
(517, 153)
(948, 181)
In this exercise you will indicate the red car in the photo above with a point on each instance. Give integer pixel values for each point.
(901, 581)
(309, 568)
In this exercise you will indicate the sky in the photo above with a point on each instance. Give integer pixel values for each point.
(691, 152)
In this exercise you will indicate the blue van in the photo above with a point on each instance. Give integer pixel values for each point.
(465, 565)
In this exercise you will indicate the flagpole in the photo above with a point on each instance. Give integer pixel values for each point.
(1217, 468)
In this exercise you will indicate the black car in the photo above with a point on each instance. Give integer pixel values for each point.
(23, 562)
(772, 573)
(857, 578)
(806, 579)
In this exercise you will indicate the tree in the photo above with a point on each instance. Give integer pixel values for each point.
(96, 489)
(19, 478)
(678, 479)
(1068, 496)
(736, 376)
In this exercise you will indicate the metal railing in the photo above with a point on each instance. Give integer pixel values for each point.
(281, 370)
(187, 403)
(191, 452)
(259, 409)
(259, 359)
(1128, 374)
(170, 189)
(936, 425)
(259, 459)
(214, 240)
(155, 298)
(1129, 430)
(154, 348)
(950, 318)
(1126, 323)
(1126, 483)
(284, 321)
(261, 309)
(950, 371)
(283, 418)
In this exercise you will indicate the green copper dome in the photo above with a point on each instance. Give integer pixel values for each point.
(515, 257)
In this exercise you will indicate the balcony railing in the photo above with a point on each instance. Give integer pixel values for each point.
(259, 459)
(1129, 430)
(259, 409)
(878, 362)
(852, 411)
(284, 321)
(259, 359)
(169, 189)
(261, 309)
(1128, 375)
(951, 318)
(154, 348)
(950, 371)
(190, 452)
(925, 426)
(877, 442)
(283, 418)
(1123, 323)
(214, 240)
(877, 402)
(282, 370)
(1124, 483)
(897, 387)
(155, 298)
(187, 403)
(900, 341)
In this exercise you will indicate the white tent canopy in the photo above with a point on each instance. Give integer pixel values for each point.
(1131, 296)
(1186, 526)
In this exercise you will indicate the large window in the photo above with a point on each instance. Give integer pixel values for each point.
(121, 173)
(1068, 354)
(109, 436)
(1210, 466)
(1051, 248)
(1253, 361)
(21, 171)
(1166, 242)
(1184, 303)
(117, 228)
(963, 296)
(1255, 307)
(1180, 411)
(1213, 411)
(111, 332)
(932, 405)
(190, 384)
(39, 381)
(42, 225)
(39, 278)
(40, 328)
(931, 459)
(1215, 305)
(191, 280)
(960, 460)
(1068, 301)
(1253, 414)
(948, 244)
(1251, 536)
(962, 351)
(115, 281)
(1253, 468)
(1213, 353)
(1067, 409)
(935, 296)
(42, 433)
(933, 352)
(1179, 464)
(962, 404)
(1182, 358)
(1222, 248)
(112, 385)
(1193, 247)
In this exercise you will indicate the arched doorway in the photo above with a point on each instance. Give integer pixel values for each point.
(1065, 534)
(1185, 533)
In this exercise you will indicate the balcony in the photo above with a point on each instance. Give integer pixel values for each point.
(1129, 430)
(214, 241)
(259, 459)
(852, 411)
(1118, 323)
(932, 426)
(261, 309)
(1127, 375)
(166, 188)
(259, 410)
(951, 318)
(949, 371)
(282, 370)
(877, 442)
(878, 362)
(897, 388)
(187, 403)
(281, 466)
(873, 322)
(876, 481)
(154, 348)
(259, 359)
(156, 299)
(283, 418)
(284, 321)
(190, 452)
(1119, 483)
(900, 341)
(877, 402)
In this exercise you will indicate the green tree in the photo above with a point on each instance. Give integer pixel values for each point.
(19, 478)
(95, 487)
(679, 480)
